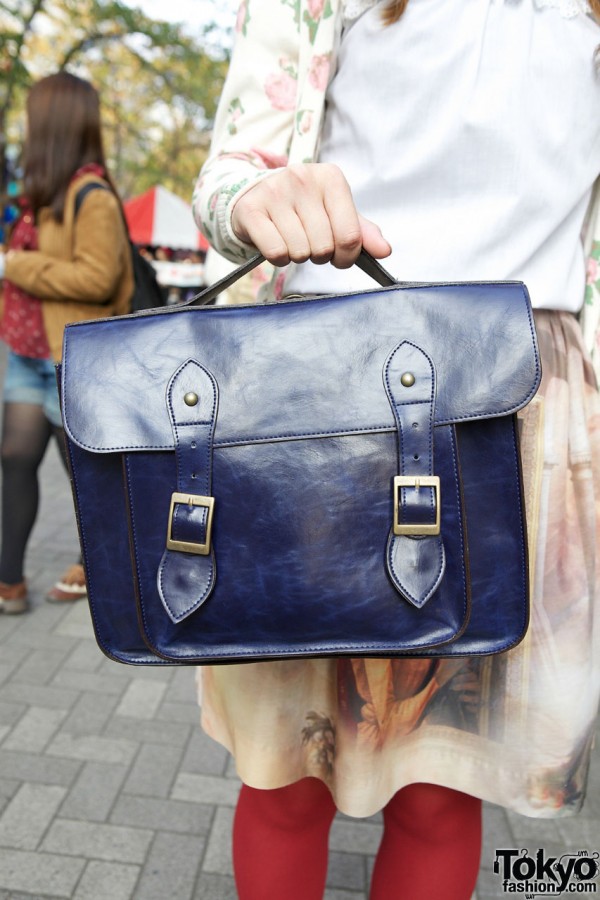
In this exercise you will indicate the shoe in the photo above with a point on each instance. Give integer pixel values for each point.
(13, 598)
(70, 586)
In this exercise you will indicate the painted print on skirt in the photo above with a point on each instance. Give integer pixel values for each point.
(514, 729)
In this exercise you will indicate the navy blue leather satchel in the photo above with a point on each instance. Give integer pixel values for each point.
(337, 475)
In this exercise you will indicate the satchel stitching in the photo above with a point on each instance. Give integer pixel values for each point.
(317, 652)
(440, 548)
(417, 600)
(298, 436)
(459, 506)
(132, 536)
(197, 603)
(522, 519)
(305, 435)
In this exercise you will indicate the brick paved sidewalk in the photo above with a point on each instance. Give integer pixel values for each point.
(108, 788)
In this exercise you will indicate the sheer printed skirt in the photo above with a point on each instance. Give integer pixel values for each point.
(514, 729)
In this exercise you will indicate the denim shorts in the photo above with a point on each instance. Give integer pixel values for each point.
(32, 381)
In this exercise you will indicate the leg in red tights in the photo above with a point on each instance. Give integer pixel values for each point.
(431, 845)
(280, 841)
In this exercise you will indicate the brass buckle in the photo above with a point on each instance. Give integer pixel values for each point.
(416, 482)
(189, 546)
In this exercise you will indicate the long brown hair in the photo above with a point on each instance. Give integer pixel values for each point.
(395, 8)
(63, 134)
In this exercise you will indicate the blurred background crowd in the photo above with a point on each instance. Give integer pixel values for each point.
(159, 81)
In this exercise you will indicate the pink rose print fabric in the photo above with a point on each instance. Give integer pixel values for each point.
(281, 87)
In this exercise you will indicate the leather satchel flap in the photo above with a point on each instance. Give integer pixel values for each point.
(270, 364)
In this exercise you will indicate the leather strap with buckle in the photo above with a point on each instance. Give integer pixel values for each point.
(415, 552)
(202, 547)
(186, 574)
(416, 482)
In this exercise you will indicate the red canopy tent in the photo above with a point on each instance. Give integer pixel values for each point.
(162, 219)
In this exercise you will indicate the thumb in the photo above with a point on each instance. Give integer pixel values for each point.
(372, 239)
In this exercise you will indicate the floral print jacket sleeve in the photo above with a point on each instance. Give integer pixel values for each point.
(271, 108)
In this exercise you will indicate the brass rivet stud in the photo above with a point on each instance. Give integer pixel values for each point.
(190, 399)
(407, 379)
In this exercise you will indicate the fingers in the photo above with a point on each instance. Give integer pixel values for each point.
(372, 239)
(345, 224)
(285, 215)
(305, 212)
(252, 225)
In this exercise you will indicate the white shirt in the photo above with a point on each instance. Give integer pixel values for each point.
(470, 132)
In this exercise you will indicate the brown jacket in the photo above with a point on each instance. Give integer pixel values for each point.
(83, 267)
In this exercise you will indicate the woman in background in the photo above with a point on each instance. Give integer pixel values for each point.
(64, 263)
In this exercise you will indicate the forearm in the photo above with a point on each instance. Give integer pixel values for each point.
(223, 180)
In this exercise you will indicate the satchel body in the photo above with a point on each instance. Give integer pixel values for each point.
(325, 476)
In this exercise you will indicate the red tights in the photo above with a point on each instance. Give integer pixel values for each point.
(429, 851)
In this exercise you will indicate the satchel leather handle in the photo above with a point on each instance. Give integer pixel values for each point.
(365, 261)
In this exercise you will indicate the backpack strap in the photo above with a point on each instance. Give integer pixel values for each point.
(85, 190)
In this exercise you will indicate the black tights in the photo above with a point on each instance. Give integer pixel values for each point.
(26, 433)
